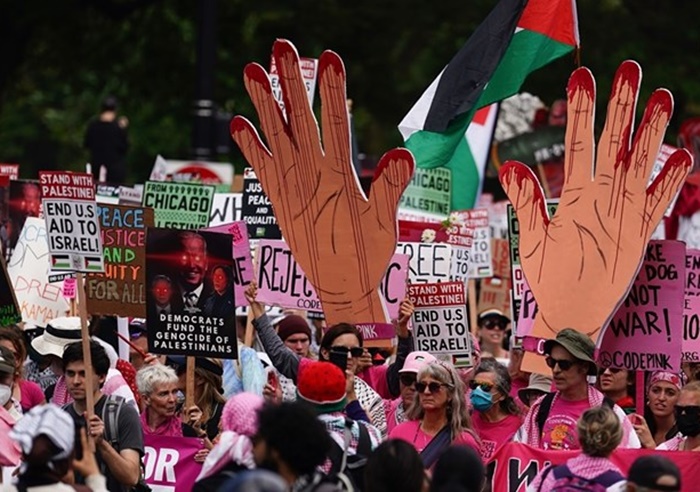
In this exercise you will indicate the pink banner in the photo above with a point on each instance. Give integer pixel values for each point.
(691, 310)
(243, 272)
(516, 465)
(281, 281)
(644, 334)
(169, 462)
(526, 320)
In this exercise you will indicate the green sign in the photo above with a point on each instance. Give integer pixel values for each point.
(428, 192)
(179, 205)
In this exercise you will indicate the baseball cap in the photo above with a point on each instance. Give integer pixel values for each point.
(650, 472)
(416, 360)
(493, 313)
(576, 343)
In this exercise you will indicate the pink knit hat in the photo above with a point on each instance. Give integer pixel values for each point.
(240, 414)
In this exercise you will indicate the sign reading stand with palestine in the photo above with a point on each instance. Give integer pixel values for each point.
(440, 321)
(70, 212)
(257, 209)
(179, 205)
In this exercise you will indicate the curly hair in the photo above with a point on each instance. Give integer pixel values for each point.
(599, 431)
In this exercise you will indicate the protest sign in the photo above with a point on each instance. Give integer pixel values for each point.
(281, 281)
(71, 221)
(256, 209)
(341, 237)
(662, 157)
(689, 230)
(243, 272)
(39, 300)
(189, 299)
(69, 288)
(480, 265)
(217, 174)
(25, 201)
(429, 262)
(121, 289)
(515, 465)
(169, 464)
(107, 193)
(440, 321)
(5, 224)
(9, 170)
(309, 71)
(9, 312)
(644, 333)
(226, 209)
(179, 205)
(159, 169)
(691, 309)
(495, 291)
(131, 195)
(428, 193)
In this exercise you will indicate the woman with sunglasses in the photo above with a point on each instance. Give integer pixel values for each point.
(618, 385)
(342, 339)
(659, 421)
(438, 415)
(687, 413)
(492, 330)
(496, 416)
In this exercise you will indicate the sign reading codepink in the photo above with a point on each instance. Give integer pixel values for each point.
(282, 282)
(169, 463)
(243, 272)
(691, 311)
(643, 334)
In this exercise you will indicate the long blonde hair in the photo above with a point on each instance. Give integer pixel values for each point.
(457, 414)
(210, 393)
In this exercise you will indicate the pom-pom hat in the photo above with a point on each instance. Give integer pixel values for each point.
(322, 384)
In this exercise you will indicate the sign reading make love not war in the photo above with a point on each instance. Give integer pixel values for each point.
(39, 300)
(179, 205)
(281, 281)
(691, 311)
(70, 211)
(121, 289)
(169, 464)
(644, 334)
(440, 321)
(243, 272)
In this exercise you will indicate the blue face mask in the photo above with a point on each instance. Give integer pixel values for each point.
(481, 400)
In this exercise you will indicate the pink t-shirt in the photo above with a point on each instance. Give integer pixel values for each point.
(412, 433)
(31, 394)
(375, 376)
(493, 435)
(559, 432)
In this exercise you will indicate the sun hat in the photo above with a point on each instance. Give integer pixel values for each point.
(577, 344)
(537, 382)
(59, 332)
(49, 420)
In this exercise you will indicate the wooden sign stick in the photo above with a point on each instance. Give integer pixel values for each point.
(471, 296)
(189, 384)
(87, 355)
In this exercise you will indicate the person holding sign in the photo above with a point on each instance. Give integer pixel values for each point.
(551, 421)
(688, 420)
(659, 421)
(438, 416)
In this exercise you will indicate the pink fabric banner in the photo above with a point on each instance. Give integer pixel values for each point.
(243, 272)
(645, 332)
(691, 311)
(515, 465)
(169, 462)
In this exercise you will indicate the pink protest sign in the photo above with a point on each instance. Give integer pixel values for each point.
(69, 288)
(281, 281)
(169, 462)
(243, 272)
(526, 321)
(644, 333)
(691, 311)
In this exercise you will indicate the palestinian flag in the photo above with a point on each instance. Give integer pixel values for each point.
(516, 38)
(60, 262)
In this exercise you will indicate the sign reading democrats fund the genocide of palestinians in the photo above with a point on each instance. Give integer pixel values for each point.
(645, 332)
(71, 221)
(179, 205)
(440, 321)
(121, 290)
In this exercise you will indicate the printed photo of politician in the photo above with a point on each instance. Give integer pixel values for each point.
(189, 273)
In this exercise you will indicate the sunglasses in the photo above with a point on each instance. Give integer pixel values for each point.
(483, 385)
(564, 364)
(407, 379)
(354, 352)
(433, 387)
(613, 370)
(690, 410)
(492, 323)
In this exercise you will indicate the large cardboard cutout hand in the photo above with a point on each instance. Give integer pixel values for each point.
(342, 240)
(581, 263)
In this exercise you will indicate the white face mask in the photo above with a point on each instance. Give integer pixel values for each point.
(5, 394)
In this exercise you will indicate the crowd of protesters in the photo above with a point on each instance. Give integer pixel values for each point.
(405, 422)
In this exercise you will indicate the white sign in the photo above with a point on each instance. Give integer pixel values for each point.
(309, 72)
(226, 209)
(430, 262)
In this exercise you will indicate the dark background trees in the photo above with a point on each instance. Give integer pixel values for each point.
(59, 59)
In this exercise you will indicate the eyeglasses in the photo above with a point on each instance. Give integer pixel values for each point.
(483, 385)
(564, 364)
(433, 387)
(407, 379)
(355, 352)
(490, 324)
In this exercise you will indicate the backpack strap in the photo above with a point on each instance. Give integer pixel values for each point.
(608, 402)
(545, 472)
(338, 455)
(364, 442)
(609, 478)
(110, 417)
(543, 411)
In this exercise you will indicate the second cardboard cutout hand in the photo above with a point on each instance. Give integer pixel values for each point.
(342, 240)
(581, 263)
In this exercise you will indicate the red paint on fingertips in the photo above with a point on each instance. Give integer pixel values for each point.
(663, 99)
(394, 155)
(581, 79)
(629, 72)
(257, 73)
(284, 49)
(238, 124)
(680, 159)
(331, 59)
